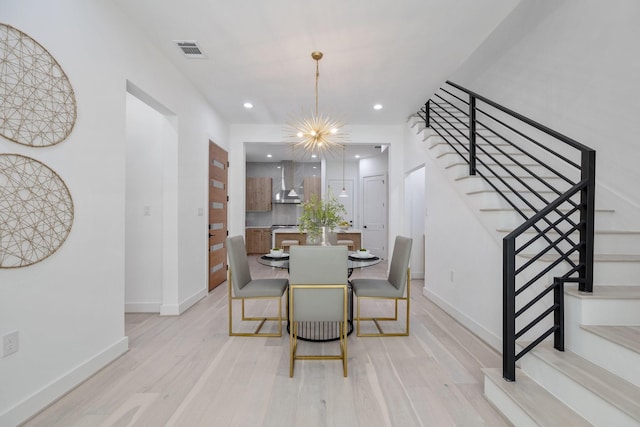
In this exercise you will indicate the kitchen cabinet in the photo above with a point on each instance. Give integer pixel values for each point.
(312, 186)
(258, 194)
(289, 235)
(258, 240)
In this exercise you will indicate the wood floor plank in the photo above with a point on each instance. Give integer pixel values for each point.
(187, 371)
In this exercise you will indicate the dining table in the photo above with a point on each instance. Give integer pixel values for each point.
(324, 331)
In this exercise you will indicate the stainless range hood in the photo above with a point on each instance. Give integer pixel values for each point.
(287, 184)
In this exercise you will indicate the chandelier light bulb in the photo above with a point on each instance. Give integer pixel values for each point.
(316, 133)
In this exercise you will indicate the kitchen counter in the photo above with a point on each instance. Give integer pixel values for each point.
(280, 234)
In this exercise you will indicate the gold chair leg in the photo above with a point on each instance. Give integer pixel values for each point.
(375, 320)
(262, 320)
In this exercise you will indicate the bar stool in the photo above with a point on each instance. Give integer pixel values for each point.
(287, 243)
(348, 243)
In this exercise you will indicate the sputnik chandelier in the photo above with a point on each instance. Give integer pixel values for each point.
(317, 133)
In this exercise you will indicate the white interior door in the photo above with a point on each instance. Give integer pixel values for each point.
(374, 215)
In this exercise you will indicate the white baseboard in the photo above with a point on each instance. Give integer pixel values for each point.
(178, 309)
(484, 334)
(142, 307)
(59, 387)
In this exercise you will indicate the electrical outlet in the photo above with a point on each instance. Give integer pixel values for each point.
(9, 343)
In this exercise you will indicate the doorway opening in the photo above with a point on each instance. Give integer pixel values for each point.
(151, 144)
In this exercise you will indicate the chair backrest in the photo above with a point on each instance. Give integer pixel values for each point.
(400, 262)
(238, 262)
(313, 271)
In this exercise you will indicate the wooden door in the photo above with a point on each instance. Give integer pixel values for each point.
(218, 200)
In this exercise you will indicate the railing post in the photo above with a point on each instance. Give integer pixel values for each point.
(427, 114)
(587, 218)
(472, 135)
(558, 314)
(509, 309)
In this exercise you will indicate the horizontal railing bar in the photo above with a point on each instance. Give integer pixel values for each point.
(536, 342)
(547, 209)
(549, 186)
(516, 208)
(528, 138)
(537, 298)
(449, 143)
(555, 134)
(573, 229)
(536, 321)
(564, 256)
(521, 150)
(554, 227)
(466, 125)
(464, 101)
(541, 274)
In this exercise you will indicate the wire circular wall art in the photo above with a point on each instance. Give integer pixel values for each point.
(37, 103)
(36, 211)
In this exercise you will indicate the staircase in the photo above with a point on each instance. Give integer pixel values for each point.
(596, 379)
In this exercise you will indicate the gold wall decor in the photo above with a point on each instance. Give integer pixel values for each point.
(36, 211)
(37, 103)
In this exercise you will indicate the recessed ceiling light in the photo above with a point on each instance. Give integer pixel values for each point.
(357, 156)
(377, 107)
(269, 156)
(248, 105)
(314, 156)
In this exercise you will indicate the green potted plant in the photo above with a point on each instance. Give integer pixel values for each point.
(318, 214)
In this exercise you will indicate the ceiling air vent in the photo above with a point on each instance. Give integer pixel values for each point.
(190, 48)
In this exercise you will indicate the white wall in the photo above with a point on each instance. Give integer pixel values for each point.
(571, 65)
(69, 308)
(415, 209)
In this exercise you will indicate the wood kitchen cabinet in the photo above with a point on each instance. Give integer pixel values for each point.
(258, 240)
(258, 195)
(312, 186)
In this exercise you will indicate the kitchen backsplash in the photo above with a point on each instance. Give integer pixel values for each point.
(280, 213)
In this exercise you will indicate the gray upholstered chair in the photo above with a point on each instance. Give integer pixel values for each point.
(398, 280)
(317, 293)
(244, 287)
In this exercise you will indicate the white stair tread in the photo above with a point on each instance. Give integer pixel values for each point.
(596, 257)
(625, 336)
(535, 401)
(607, 292)
(609, 387)
(601, 231)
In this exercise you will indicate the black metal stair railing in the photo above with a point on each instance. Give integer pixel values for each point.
(546, 187)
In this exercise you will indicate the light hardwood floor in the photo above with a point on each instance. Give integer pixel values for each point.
(187, 371)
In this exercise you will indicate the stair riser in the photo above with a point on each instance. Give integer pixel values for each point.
(511, 219)
(458, 169)
(616, 244)
(609, 272)
(600, 311)
(581, 400)
(506, 405)
(612, 357)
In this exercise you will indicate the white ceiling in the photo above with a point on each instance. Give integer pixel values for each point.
(396, 53)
